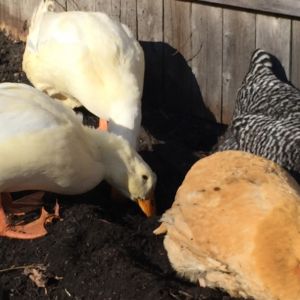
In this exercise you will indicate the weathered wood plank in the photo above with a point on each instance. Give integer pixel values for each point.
(274, 35)
(111, 7)
(14, 12)
(15, 16)
(60, 5)
(150, 20)
(295, 62)
(27, 8)
(103, 5)
(282, 7)
(116, 9)
(177, 26)
(178, 76)
(150, 33)
(207, 54)
(129, 15)
(238, 45)
(4, 15)
(83, 5)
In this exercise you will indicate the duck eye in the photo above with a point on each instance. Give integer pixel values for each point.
(145, 177)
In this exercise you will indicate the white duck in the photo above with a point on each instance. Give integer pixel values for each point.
(86, 58)
(235, 224)
(44, 146)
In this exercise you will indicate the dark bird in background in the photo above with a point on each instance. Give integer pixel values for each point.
(266, 119)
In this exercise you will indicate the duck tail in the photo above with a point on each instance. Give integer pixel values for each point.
(36, 19)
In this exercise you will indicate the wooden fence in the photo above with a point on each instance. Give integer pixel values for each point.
(196, 51)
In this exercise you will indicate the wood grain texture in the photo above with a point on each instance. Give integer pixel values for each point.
(61, 5)
(295, 58)
(150, 33)
(207, 55)
(15, 16)
(238, 45)
(3, 9)
(284, 7)
(178, 76)
(129, 14)
(81, 5)
(27, 8)
(177, 25)
(274, 35)
(150, 20)
(110, 7)
(6, 19)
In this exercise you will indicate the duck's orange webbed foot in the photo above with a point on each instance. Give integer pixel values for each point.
(31, 230)
(22, 205)
(103, 125)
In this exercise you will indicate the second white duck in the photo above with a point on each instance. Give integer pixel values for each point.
(44, 146)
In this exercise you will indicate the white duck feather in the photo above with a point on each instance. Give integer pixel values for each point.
(44, 146)
(90, 60)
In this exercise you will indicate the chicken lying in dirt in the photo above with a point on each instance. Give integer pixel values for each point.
(235, 225)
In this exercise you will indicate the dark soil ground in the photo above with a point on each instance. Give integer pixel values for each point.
(102, 249)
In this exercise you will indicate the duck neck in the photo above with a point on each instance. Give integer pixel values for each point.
(126, 122)
(108, 149)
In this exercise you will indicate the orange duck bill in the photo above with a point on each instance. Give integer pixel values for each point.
(147, 206)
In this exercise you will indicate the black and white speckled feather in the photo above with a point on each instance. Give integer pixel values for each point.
(277, 140)
(266, 119)
(263, 92)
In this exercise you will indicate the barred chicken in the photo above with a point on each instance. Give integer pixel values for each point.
(266, 119)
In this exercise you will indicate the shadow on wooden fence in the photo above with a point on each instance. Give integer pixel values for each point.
(170, 85)
(174, 112)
